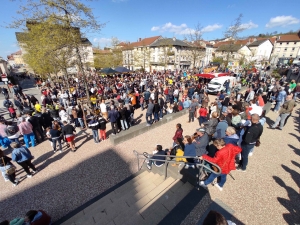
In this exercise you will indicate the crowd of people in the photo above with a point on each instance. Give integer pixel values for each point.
(228, 128)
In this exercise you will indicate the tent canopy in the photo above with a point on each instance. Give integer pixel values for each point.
(122, 69)
(108, 70)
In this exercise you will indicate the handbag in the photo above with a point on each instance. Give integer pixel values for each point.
(257, 143)
(10, 170)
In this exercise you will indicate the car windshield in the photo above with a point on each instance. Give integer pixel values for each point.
(214, 83)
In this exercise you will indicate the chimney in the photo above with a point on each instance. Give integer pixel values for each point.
(140, 39)
(174, 38)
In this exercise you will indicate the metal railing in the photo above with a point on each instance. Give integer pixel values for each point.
(201, 165)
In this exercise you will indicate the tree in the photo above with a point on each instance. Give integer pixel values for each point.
(108, 57)
(142, 56)
(232, 33)
(217, 60)
(197, 51)
(46, 48)
(67, 15)
(166, 53)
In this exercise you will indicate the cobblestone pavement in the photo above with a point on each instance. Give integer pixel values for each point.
(268, 193)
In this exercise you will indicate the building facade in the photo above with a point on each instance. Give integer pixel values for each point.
(287, 46)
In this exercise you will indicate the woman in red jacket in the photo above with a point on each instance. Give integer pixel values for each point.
(225, 159)
(178, 133)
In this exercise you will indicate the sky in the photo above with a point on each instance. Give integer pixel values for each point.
(129, 20)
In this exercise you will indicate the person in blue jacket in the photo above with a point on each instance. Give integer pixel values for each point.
(23, 157)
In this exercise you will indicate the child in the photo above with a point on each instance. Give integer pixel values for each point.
(12, 112)
(102, 128)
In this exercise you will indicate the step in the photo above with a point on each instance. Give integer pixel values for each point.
(100, 205)
(140, 204)
(146, 199)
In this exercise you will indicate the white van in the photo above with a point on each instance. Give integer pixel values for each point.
(218, 84)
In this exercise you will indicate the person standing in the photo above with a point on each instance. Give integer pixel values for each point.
(225, 159)
(249, 139)
(103, 109)
(285, 110)
(113, 116)
(280, 99)
(149, 112)
(5, 164)
(94, 125)
(25, 129)
(55, 136)
(192, 109)
(23, 157)
(102, 128)
(69, 132)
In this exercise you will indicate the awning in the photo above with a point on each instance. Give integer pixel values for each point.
(212, 75)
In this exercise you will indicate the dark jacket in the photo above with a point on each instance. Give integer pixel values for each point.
(93, 124)
(113, 115)
(102, 123)
(252, 133)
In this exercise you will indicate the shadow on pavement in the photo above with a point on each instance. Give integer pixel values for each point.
(69, 189)
(292, 202)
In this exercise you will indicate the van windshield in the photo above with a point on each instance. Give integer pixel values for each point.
(214, 83)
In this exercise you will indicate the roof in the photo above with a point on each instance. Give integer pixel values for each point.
(85, 41)
(17, 53)
(170, 41)
(227, 47)
(257, 43)
(218, 44)
(145, 42)
(288, 37)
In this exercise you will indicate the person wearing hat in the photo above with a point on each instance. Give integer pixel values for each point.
(201, 141)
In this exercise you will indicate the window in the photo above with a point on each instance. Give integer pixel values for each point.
(285, 49)
(125, 61)
(295, 43)
(283, 55)
(287, 43)
(153, 59)
(280, 43)
(291, 55)
(293, 49)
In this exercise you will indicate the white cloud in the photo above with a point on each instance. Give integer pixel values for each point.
(169, 27)
(183, 28)
(282, 21)
(102, 41)
(211, 28)
(247, 26)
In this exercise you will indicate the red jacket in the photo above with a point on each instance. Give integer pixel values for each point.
(203, 112)
(178, 134)
(225, 158)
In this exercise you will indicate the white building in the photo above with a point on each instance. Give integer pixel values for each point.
(287, 46)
